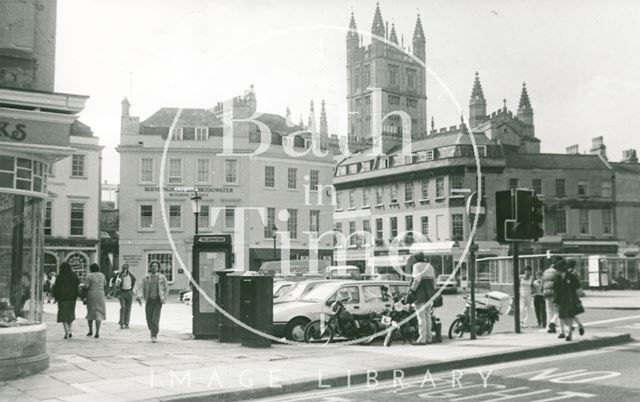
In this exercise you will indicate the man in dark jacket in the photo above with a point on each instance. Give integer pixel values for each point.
(423, 288)
(125, 283)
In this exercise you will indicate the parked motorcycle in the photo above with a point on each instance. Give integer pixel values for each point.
(486, 316)
(408, 331)
(342, 323)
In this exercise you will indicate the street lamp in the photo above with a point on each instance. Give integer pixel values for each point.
(195, 205)
(274, 234)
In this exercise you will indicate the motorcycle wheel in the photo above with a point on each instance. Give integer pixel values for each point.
(313, 333)
(456, 328)
(370, 329)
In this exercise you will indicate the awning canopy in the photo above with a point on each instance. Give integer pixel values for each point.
(439, 247)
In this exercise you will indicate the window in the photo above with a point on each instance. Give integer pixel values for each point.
(424, 190)
(175, 171)
(583, 221)
(457, 227)
(560, 188)
(379, 195)
(379, 233)
(408, 191)
(269, 176)
(513, 183)
(483, 185)
(146, 216)
(202, 173)
(356, 81)
(271, 221)
(292, 223)
(230, 171)
(561, 220)
(411, 78)
(339, 199)
(202, 133)
(314, 220)
(374, 293)
(366, 226)
(393, 74)
(582, 187)
(424, 221)
(412, 103)
(394, 227)
(77, 219)
(440, 187)
(292, 178)
(606, 221)
(166, 263)
(365, 197)
(203, 218)
(177, 134)
(408, 223)
(394, 193)
(352, 198)
(314, 179)
(352, 237)
(350, 294)
(146, 170)
(77, 166)
(175, 216)
(78, 264)
(47, 219)
(455, 183)
(536, 185)
(367, 76)
(605, 188)
(229, 217)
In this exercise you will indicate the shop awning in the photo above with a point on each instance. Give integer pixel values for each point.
(440, 247)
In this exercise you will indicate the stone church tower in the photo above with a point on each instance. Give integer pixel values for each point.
(382, 78)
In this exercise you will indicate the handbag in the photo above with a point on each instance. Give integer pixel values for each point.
(437, 302)
(580, 292)
(578, 307)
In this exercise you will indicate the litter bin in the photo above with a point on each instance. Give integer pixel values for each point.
(256, 309)
(230, 302)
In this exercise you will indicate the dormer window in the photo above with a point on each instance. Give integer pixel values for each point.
(176, 134)
(422, 156)
(353, 168)
(202, 133)
(430, 155)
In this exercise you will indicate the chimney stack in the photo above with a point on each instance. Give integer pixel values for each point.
(629, 156)
(598, 147)
(573, 149)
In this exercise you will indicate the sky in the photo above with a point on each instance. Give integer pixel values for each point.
(579, 59)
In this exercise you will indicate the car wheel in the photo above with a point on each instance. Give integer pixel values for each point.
(295, 329)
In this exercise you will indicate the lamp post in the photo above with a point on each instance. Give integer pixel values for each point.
(274, 234)
(195, 205)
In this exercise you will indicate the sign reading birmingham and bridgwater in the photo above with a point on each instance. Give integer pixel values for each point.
(186, 191)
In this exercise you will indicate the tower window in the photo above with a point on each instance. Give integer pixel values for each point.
(393, 74)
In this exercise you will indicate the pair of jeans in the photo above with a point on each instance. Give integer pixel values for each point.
(552, 312)
(126, 298)
(152, 310)
(424, 323)
(541, 313)
(525, 306)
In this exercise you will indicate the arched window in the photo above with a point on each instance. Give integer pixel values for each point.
(50, 263)
(78, 264)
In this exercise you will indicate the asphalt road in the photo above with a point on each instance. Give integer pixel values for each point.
(608, 374)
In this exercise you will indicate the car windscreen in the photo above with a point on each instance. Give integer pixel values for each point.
(284, 289)
(320, 292)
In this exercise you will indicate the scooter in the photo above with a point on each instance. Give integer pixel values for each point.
(486, 316)
(408, 331)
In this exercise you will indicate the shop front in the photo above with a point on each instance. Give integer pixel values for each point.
(30, 140)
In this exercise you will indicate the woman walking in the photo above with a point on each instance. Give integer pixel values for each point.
(538, 301)
(526, 285)
(571, 265)
(566, 299)
(65, 291)
(96, 308)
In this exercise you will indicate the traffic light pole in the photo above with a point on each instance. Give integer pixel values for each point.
(516, 287)
(471, 269)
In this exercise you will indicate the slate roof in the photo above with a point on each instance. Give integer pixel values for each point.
(188, 118)
(79, 129)
(554, 161)
(277, 123)
(626, 167)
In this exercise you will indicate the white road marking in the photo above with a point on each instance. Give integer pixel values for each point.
(631, 317)
(566, 395)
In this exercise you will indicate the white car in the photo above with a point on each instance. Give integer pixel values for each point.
(187, 297)
(296, 291)
(290, 318)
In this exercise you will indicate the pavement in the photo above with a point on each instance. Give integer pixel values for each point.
(123, 365)
(612, 299)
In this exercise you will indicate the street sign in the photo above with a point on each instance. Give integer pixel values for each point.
(473, 210)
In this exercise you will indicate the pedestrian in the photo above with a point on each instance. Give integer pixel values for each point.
(46, 288)
(96, 306)
(548, 291)
(423, 288)
(526, 298)
(566, 299)
(153, 288)
(124, 285)
(538, 301)
(571, 265)
(65, 291)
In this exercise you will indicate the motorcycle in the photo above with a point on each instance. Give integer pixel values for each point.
(342, 323)
(408, 331)
(486, 316)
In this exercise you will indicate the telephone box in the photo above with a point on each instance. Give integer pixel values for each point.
(598, 270)
(212, 254)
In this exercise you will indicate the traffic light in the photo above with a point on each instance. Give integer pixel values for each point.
(524, 222)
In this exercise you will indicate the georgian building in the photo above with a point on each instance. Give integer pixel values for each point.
(72, 214)
(286, 190)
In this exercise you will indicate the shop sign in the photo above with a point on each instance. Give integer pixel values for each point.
(182, 192)
(133, 260)
(34, 132)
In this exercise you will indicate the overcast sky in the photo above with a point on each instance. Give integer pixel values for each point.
(580, 59)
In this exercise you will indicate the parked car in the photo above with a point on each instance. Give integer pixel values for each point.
(187, 297)
(281, 287)
(184, 291)
(297, 268)
(451, 287)
(343, 272)
(290, 318)
(297, 290)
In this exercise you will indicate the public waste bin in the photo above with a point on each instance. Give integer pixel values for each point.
(230, 302)
(256, 309)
